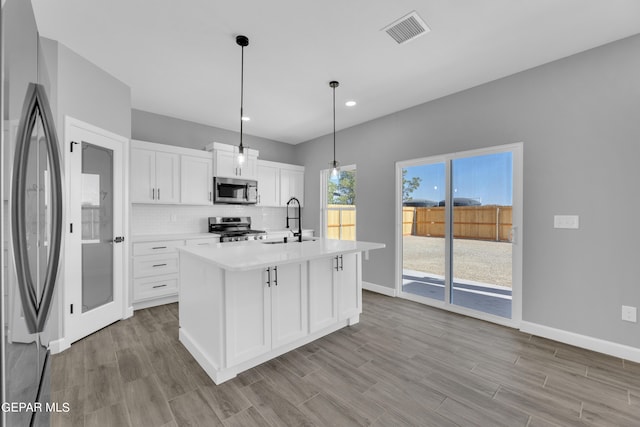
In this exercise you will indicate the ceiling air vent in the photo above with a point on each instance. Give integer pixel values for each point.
(407, 28)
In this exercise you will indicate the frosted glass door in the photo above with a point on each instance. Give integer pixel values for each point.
(95, 276)
(97, 226)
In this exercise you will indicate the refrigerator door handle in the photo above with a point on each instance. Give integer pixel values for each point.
(36, 307)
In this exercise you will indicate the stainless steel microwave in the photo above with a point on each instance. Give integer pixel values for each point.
(235, 191)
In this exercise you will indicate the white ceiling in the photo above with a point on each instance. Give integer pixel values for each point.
(180, 57)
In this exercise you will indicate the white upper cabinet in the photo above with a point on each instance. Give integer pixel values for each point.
(291, 184)
(278, 182)
(268, 184)
(155, 176)
(167, 174)
(225, 161)
(167, 177)
(143, 176)
(196, 180)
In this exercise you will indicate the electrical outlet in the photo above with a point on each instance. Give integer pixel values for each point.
(566, 221)
(629, 314)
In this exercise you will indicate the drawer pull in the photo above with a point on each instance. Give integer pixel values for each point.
(159, 247)
(159, 286)
(159, 265)
(203, 244)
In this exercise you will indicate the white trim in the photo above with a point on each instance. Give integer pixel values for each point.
(128, 312)
(384, 290)
(58, 346)
(583, 341)
(154, 146)
(139, 305)
(220, 374)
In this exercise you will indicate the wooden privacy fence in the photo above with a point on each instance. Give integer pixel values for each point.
(341, 222)
(469, 222)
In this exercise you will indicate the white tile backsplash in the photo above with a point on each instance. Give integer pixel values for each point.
(167, 219)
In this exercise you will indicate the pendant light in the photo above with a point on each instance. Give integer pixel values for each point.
(335, 166)
(242, 41)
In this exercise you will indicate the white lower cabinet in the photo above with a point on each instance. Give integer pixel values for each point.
(335, 289)
(154, 287)
(155, 270)
(349, 284)
(266, 309)
(289, 307)
(323, 292)
(248, 315)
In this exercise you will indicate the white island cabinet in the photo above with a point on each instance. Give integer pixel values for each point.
(243, 304)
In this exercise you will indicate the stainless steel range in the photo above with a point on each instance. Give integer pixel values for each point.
(234, 229)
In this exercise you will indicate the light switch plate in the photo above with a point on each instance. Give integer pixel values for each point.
(629, 314)
(566, 221)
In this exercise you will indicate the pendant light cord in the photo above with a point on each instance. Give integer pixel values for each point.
(241, 95)
(334, 125)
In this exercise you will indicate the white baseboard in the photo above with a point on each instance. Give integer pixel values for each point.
(128, 312)
(384, 290)
(601, 346)
(58, 346)
(154, 302)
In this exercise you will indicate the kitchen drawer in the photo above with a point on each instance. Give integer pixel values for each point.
(160, 247)
(203, 242)
(155, 265)
(154, 287)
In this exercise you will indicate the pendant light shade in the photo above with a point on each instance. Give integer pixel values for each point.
(335, 166)
(242, 41)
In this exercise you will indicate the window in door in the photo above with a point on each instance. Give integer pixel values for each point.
(339, 204)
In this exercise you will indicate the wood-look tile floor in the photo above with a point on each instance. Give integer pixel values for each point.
(404, 364)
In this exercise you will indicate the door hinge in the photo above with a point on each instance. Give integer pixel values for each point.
(71, 145)
(71, 308)
(118, 239)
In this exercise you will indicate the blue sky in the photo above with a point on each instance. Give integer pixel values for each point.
(487, 179)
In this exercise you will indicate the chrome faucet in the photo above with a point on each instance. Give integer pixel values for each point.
(299, 218)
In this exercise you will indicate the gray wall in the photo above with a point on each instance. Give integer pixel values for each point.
(579, 119)
(153, 127)
(86, 92)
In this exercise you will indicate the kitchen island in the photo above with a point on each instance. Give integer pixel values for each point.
(242, 304)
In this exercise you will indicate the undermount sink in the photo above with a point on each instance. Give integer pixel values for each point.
(290, 240)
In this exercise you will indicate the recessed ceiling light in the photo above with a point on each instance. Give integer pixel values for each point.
(245, 118)
(350, 103)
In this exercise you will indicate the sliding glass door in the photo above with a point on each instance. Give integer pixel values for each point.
(458, 215)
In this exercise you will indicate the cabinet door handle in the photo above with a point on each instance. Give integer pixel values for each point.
(209, 195)
(269, 276)
(153, 193)
(337, 263)
(275, 282)
(158, 194)
(159, 265)
(159, 286)
(341, 263)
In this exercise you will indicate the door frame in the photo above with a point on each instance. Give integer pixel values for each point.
(126, 310)
(517, 241)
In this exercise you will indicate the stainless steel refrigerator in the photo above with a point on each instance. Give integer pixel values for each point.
(32, 221)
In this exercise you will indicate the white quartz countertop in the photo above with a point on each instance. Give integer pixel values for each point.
(139, 238)
(243, 256)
